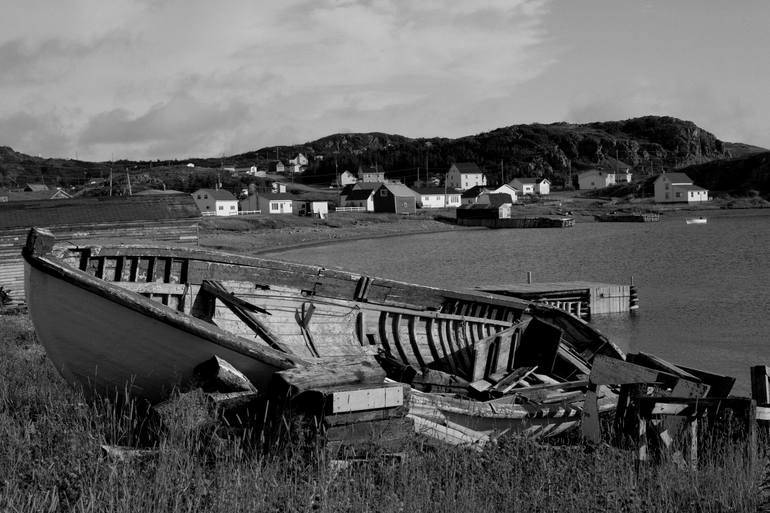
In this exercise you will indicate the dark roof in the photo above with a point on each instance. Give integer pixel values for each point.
(467, 168)
(399, 190)
(359, 194)
(525, 179)
(24, 214)
(367, 185)
(347, 189)
(474, 191)
(497, 199)
(34, 187)
(217, 194)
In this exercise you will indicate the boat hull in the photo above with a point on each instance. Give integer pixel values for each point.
(102, 346)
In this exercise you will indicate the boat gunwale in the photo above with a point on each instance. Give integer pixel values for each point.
(146, 306)
(224, 257)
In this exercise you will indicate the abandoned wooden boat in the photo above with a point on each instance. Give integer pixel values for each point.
(141, 318)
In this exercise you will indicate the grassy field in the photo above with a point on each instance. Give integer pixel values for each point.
(51, 460)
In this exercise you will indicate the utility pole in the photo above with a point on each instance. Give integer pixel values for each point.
(128, 179)
(502, 173)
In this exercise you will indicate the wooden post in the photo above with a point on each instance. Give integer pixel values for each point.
(529, 277)
(760, 384)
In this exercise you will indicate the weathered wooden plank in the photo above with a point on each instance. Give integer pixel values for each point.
(610, 371)
(152, 287)
(511, 380)
(760, 384)
(481, 358)
(217, 374)
(347, 401)
(332, 373)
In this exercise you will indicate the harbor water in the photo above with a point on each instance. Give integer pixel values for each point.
(704, 289)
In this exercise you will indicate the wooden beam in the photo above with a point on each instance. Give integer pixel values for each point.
(760, 384)
(347, 401)
(611, 371)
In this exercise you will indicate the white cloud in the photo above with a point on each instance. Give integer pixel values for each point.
(196, 76)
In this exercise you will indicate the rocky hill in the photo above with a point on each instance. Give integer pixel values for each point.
(558, 151)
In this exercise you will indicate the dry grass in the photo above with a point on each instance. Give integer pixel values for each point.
(50, 460)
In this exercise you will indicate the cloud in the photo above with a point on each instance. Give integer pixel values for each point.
(193, 76)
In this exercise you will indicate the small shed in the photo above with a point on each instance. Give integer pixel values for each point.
(169, 218)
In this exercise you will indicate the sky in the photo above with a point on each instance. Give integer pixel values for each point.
(104, 80)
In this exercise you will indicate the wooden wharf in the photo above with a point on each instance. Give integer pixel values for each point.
(519, 222)
(580, 298)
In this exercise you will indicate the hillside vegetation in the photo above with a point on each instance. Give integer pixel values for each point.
(558, 151)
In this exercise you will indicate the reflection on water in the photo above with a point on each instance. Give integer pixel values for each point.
(704, 290)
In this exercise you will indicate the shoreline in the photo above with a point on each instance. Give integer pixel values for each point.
(261, 235)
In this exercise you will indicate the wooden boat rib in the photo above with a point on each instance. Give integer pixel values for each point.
(146, 316)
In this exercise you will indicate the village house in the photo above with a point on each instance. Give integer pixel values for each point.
(394, 197)
(299, 160)
(509, 190)
(359, 195)
(277, 166)
(216, 202)
(470, 196)
(464, 175)
(678, 188)
(530, 185)
(489, 206)
(347, 178)
(276, 203)
(374, 173)
(311, 207)
(595, 179)
(437, 197)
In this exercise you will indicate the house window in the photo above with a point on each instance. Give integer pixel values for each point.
(221, 207)
(678, 194)
(666, 185)
(273, 207)
(384, 193)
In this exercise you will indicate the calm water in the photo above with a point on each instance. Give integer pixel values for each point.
(704, 289)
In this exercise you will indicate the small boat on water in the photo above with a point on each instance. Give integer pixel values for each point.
(144, 317)
(696, 220)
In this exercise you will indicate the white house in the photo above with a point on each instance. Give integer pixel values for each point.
(464, 175)
(299, 160)
(678, 188)
(347, 178)
(216, 202)
(275, 203)
(531, 185)
(509, 190)
(595, 179)
(437, 197)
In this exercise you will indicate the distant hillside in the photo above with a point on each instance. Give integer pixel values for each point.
(558, 151)
(744, 176)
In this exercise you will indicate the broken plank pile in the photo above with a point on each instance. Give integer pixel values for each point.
(342, 403)
(666, 411)
(526, 380)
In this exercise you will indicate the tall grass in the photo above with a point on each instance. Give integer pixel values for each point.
(50, 460)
